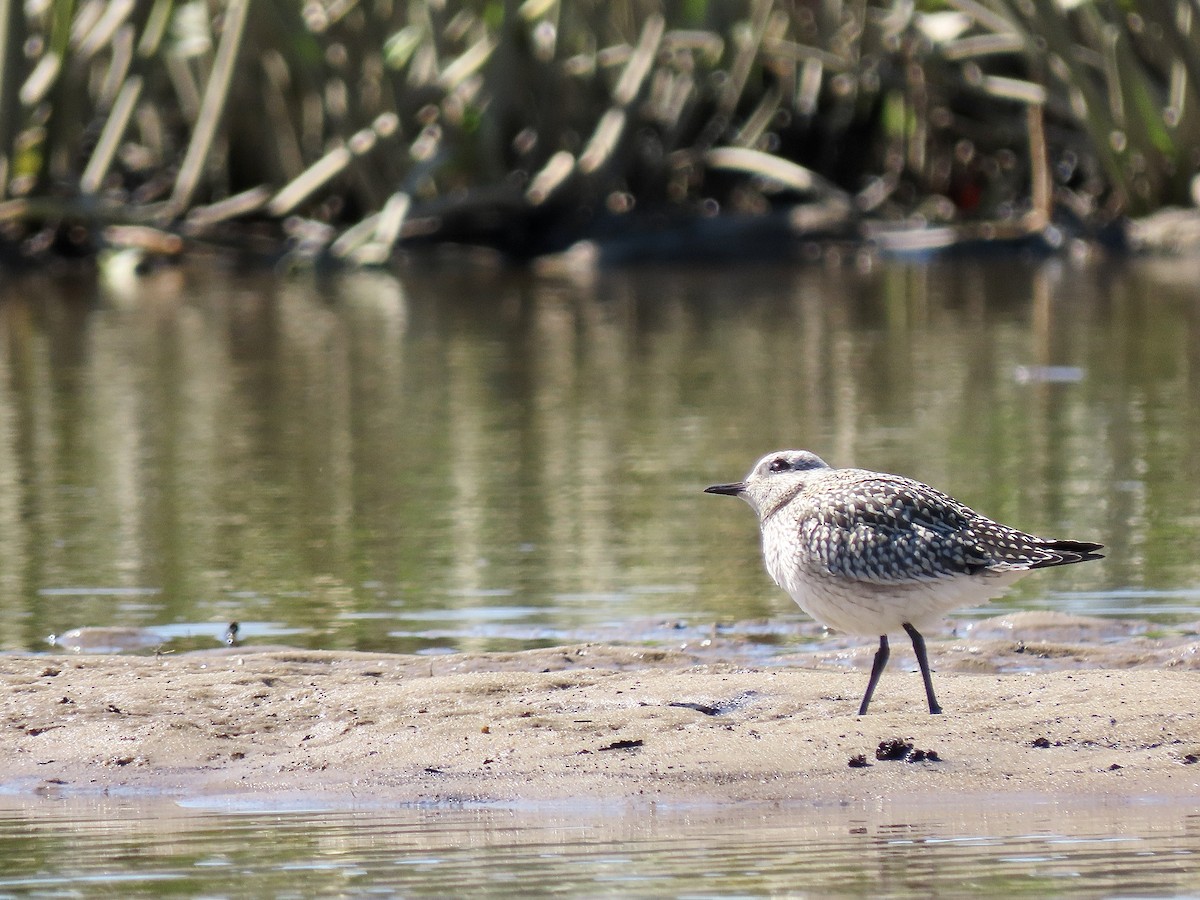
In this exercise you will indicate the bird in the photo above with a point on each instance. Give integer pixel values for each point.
(870, 553)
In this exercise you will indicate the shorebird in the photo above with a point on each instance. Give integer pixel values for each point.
(869, 553)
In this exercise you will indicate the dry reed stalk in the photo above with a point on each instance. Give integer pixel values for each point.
(216, 94)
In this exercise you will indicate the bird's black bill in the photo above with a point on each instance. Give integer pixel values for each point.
(731, 489)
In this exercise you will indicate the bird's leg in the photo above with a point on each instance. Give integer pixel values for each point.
(918, 643)
(881, 658)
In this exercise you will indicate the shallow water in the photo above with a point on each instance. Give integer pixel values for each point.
(479, 460)
(1004, 847)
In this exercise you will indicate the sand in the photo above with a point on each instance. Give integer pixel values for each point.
(605, 723)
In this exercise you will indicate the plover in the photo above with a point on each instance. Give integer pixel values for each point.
(869, 553)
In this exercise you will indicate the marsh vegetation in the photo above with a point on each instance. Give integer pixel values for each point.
(342, 130)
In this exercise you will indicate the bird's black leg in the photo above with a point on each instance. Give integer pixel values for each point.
(881, 658)
(923, 661)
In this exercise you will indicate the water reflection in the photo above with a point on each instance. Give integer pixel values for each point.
(890, 849)
(342, 458)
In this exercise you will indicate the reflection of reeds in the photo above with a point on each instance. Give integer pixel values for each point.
(287, 447)
(529, 126)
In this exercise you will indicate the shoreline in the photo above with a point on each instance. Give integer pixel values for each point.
(599, 723)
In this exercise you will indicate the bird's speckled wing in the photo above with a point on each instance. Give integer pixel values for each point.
(886, 529)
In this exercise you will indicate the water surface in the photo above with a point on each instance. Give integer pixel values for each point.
(1022, 847)
(471, 459)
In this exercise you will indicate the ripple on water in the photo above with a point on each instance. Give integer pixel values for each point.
(256, 846)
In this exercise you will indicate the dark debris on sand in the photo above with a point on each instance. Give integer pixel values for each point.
(900, 749)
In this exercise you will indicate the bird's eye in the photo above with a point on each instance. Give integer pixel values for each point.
(779, 464)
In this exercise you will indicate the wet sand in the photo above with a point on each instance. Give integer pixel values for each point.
(1095, 720)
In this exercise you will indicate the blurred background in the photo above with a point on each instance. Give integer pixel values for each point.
(346, 130)
(421, 326)
(490, 460)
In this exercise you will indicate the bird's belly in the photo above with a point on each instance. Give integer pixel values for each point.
(868, 608)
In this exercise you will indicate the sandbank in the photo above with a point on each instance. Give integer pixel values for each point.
(604, 723)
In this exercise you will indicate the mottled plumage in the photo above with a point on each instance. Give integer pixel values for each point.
(870, 553)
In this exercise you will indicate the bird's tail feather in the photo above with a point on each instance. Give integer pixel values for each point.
(1064, 553)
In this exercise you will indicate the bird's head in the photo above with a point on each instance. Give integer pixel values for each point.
(774, 479)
